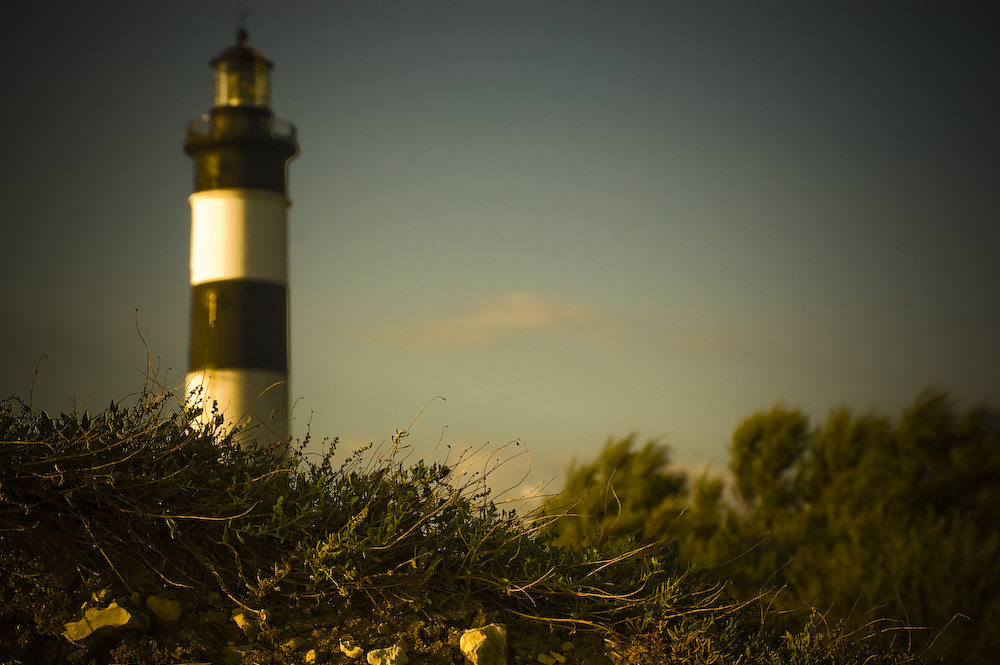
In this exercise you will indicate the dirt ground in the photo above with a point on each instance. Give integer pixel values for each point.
(38, 599)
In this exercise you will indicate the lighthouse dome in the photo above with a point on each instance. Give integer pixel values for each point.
(242, 75)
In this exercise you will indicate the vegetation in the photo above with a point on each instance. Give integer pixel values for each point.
(862, 518)
(145, 492)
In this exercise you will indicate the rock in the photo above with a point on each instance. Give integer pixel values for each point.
(316, 657)
(348, 648)
(165, 609)
(292, 643)
(486, 645)
(394, 655)
(546, 659)
(559, 658)
(98, 623)
(246, 624)
(568, 646)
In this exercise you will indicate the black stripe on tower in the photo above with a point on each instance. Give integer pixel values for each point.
(236, 147)
(239, 324)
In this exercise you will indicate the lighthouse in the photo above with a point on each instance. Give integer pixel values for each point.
(238, 353)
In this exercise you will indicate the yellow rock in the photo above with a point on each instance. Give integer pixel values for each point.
(110, 619)
(246, 624)
(165, 609)
(486, 645)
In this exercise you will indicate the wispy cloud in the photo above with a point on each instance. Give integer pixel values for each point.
(490, 320)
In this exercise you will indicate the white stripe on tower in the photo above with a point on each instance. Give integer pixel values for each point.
(238, 353)
(239, 234)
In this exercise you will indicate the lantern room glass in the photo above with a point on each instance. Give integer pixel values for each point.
(242, 82)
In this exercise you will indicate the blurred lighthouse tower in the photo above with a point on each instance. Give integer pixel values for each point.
(238, 350)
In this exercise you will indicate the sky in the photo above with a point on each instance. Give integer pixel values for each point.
(570, 220)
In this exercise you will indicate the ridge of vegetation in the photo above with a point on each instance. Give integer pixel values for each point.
(147, 491)
(862, 516)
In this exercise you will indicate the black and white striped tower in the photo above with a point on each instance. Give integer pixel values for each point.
(238, 354)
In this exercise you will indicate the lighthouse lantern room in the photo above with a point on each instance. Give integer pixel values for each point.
(238, 350)
(242, 76)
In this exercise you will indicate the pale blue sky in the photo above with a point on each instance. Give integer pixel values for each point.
(571, 220)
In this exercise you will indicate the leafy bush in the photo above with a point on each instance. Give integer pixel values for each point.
(863, 517)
